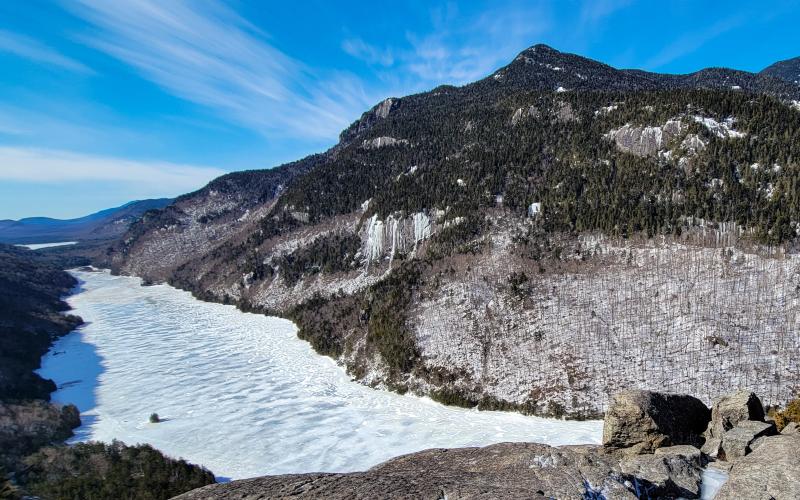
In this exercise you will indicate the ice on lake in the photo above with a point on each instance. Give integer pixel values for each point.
(40, 246)
(242, 395)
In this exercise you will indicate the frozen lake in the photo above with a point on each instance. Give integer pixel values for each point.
(39, 246)
(242, 395)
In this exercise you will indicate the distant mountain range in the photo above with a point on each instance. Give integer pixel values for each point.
(105, 224)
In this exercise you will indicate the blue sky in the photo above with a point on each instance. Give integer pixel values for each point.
(105, 101)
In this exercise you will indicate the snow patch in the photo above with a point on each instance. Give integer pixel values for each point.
(692, 143)
(380, 142)
(606, 109)
(723, 129)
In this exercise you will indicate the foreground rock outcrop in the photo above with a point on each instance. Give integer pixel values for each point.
(506, 470)
(645, 454)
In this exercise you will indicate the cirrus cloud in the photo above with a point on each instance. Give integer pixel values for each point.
(48, 166)
(208, 54)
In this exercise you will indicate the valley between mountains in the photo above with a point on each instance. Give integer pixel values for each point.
(535, 241)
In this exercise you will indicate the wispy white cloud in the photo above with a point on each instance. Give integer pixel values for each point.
(47, 166)
(33, 50)
(207, 54)
(458, 48)
(593, 12)
(691, 42)
(370, 54)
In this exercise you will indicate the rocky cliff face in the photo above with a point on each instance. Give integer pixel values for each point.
(510, 245)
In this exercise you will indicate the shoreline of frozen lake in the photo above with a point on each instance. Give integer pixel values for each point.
(241, 394)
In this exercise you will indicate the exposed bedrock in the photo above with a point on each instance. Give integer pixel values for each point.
(506, 470)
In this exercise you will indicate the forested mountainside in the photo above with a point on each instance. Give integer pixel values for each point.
(788, 70)
(31, 316)
(536, 240)
(105, 224)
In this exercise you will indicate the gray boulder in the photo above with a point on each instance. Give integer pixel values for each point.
(740, 440)
(728, 411)
(770, 472)
(643, 421)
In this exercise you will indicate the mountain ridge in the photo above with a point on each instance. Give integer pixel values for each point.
(788, 69)
(501, 244)
(107, 223)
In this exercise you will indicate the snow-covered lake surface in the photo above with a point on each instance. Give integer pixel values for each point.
(242, 395)
(39, 246)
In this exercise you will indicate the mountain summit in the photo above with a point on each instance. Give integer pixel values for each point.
(544, 68)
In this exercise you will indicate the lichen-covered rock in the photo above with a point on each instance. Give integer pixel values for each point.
(726, 413)
(738, 441)
(506, 470)
(770, 472)
(643, 421)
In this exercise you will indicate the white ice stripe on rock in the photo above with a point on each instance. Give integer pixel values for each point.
(373, 247)
(422, 227)
(396, 234)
